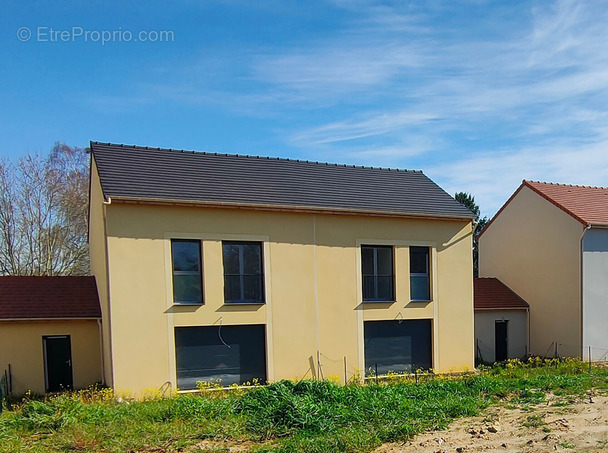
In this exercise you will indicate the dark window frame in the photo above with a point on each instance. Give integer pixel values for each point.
(242, 274)
(198, 273)
(376, 275)
(427, 273)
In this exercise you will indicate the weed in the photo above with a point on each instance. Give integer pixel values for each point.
(306, 416)
(534, 421)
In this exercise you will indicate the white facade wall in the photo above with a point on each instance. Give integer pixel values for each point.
(595, 294)
(517, 333)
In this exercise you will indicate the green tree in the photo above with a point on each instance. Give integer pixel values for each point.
(468, 200)
(43, 213)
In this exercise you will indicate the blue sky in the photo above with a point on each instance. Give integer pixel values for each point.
(477, 94)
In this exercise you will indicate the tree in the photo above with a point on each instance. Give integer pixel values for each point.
(43, 213)
(468, 200)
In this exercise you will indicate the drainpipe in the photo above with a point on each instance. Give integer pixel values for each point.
(581, 282)
(103, 365)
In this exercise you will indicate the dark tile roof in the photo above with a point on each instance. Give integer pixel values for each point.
(162, 175)
(491, 293)
(48, 298)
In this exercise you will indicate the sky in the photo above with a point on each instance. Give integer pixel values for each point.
(477, 94)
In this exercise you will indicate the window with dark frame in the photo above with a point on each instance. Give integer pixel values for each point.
(243, 272)
(420, 284)
(378, 275)
(187, 276)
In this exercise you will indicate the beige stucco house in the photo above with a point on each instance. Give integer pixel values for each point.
(49, 333)
(228, 268)
(501, 322)
(549, 244)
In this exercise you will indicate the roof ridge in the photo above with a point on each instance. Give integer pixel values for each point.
(283, 159)
(565, 185)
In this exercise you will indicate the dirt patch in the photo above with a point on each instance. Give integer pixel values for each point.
(555, 425)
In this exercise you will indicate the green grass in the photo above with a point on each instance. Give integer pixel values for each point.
(308, 416)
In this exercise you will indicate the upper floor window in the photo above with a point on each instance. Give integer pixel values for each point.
(420, 285)
(377, 269)
(187, 277)
(243, 272)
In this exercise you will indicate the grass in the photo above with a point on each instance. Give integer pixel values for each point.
(308, 416)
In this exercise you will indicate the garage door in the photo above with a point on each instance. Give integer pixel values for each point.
(397, 346)
(225, 355)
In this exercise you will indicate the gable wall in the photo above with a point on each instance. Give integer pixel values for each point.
(534, 248)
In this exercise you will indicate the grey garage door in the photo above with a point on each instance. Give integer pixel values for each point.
(228, 355)
(398, 346)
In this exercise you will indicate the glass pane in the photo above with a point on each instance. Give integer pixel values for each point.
(385, 261)
(232, 288)
(367, 260)
(187, 288)
(252, 255)
(231, 258)
(385, 288)
(253, 288)
(369, 291)
(186, 255)
(419, 260)
(419, 287)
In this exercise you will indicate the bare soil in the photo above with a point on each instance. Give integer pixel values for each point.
(555, 425)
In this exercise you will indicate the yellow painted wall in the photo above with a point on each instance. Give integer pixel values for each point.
(21, 347)
(313, 287)
(533, 247)
(98, 259)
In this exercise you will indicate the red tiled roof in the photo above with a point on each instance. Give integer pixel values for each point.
(586, 204)
(492, 293)
(48, 297)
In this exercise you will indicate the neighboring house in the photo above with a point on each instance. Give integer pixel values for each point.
(233, 268)
(49, 333)
(549, 244)
(501, 322)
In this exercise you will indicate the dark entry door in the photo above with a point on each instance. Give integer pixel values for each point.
(58, 362)
(500, 330)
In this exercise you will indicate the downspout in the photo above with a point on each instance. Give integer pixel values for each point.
(528, 325)
(109, 309)
(103, 363)
(314, 251)
(582, 289)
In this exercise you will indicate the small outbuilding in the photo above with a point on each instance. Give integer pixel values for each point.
(49, 333)
(501, 322)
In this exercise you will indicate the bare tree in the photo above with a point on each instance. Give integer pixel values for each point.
(43, 213)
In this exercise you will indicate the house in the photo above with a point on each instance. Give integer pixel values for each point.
(231, 268)
(501, 322)
(549, 244)
(49, 333)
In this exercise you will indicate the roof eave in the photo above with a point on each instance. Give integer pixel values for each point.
(597, 225)
(64, 318)
(286, 208)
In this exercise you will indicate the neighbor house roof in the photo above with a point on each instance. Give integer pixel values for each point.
(135, 173)
(491, 293)
(48, 298)
(588, 205)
